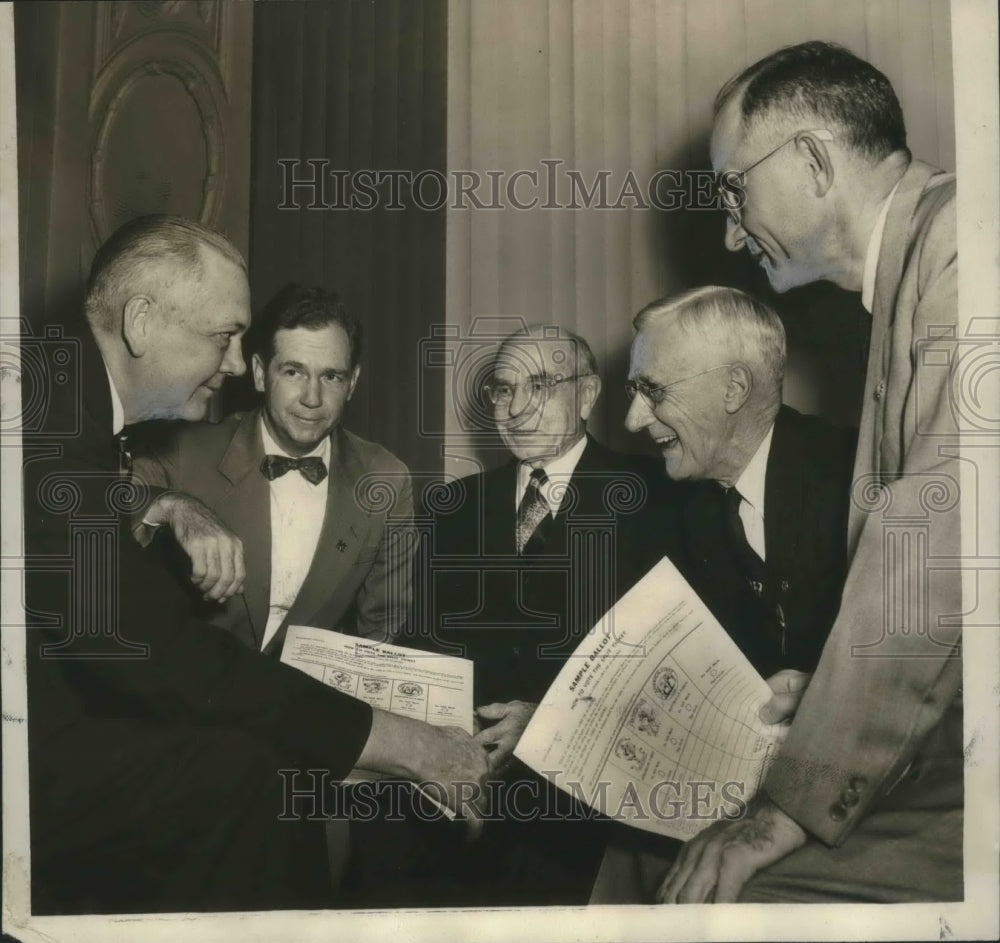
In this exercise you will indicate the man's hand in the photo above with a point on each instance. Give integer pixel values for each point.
(446, 761)
(507, 723)
(216, 553)
(714, 865)
(788, 687)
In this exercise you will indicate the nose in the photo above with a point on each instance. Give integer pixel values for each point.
(233, 364)
(639, 415)
(736, 236)
(519, 401)
(312, 395)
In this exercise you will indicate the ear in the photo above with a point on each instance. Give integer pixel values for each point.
(590, 389)
(354, 381)
(738, 388)
(137, 324)
(817, 158)
(259, 372)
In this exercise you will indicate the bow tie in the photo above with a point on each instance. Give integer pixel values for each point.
(311, 468)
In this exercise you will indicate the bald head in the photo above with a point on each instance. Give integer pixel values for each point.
(168, 302)
(544, 387)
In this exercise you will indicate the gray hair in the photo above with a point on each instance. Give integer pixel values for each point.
(730, 319)
(131, 256)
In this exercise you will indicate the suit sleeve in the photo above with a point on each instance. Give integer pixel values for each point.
(384, 598)
(168, 666)
(154, 464)
(892, 663)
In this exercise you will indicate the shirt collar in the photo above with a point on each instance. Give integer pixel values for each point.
(272, 448)
(561, 467)
(117, 409)
(874, 249)
(751, 483)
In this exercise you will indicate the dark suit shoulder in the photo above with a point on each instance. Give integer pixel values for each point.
(204, 440)
(813, 440)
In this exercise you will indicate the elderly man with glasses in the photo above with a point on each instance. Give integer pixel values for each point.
(761, 512)
(525, 559)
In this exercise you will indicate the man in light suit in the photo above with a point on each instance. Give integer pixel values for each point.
(865, 800)
(759, 526)
(331, 550)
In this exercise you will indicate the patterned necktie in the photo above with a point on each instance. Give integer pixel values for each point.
(312, 468)
(532, 510)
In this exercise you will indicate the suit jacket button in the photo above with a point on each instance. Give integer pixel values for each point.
(879, 390)
(849, 797)
(784, 586)
(837, 812)
(858, 783)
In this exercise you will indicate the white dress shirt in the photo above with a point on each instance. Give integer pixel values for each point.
(117, 410)
(751, 485)
(871, 256)
(557, 473)
(297, 512)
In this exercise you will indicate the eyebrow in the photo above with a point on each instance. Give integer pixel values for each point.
(301, 366)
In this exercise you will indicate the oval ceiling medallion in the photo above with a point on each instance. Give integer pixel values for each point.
(158, 148)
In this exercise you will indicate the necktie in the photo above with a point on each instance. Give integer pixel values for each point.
(532, 510)
(312, 468)
(752, 564)
(124, 456)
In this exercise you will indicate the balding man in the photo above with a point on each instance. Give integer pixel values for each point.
(157, 743)
(865, 800)
(523, 565)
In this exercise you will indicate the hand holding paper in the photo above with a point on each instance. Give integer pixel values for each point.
(506, 724)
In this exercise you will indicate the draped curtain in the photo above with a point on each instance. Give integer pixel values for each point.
(628, 86)
(361, 86)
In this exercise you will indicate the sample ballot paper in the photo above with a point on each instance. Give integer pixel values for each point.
(433, 688)
(653, 720)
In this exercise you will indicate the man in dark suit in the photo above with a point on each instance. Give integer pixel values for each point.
(705, 380)
(156, 742)
(522, 564)
(761, 514)
(865, 799)
(333, 549)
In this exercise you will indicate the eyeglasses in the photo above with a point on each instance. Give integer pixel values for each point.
(501, 393)
(732, 196)
(655, 395)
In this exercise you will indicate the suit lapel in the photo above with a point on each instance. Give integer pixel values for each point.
(892, 256)
(498, 511)
(345, 527)
(248, 507)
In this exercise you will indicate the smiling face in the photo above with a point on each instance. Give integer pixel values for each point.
(691, 424)
(306, 385)
(193, 343)
(542, 421)
(779, 222)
